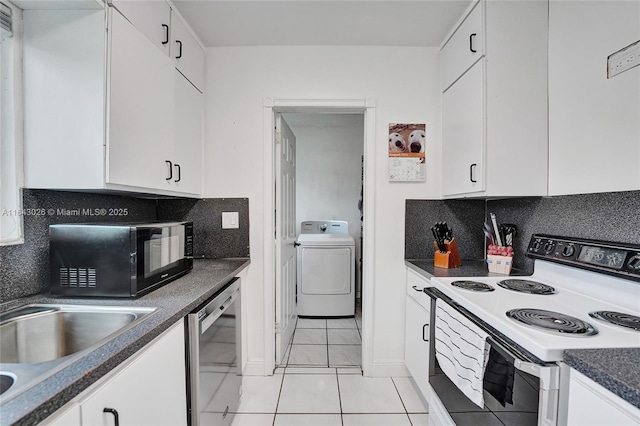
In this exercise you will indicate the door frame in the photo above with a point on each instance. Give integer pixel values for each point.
(359, 106)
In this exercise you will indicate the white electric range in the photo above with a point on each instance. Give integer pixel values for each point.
(533, 319)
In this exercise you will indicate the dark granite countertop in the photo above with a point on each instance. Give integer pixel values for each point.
(614, 369)
(469, 268)
(174, 300)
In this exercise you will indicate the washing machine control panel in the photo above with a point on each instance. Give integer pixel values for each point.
(324, 227)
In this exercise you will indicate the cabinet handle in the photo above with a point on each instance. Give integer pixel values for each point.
(179, 174)
(115, 415)
(415, 287)
(170, 169)
(166, 33)
(423, 332)
(471, 43)
(471, 169)
(179, 51)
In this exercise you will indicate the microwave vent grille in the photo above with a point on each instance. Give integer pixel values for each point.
(78, 277)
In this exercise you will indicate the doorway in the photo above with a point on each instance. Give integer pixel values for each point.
(365, 109)
(329, 182)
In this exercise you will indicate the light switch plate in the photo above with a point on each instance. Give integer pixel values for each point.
(623, 59)
(230, 220)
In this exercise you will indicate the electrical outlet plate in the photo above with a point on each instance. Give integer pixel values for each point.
(230, 220)
(623, 59)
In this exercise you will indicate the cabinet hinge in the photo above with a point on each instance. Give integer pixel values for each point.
(277, 327)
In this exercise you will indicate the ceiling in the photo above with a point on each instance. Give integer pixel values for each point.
(321, 23)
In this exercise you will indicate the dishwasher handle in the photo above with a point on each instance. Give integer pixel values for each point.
(207, 321)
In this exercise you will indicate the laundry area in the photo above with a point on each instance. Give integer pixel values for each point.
(329, 187)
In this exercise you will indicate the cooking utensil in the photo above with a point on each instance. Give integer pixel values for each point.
(510, 231)
(488, 232)
(495, 228)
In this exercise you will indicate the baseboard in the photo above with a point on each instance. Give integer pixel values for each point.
(254, 368)
(389, 369)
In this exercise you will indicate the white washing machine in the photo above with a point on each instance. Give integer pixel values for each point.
(326, 269)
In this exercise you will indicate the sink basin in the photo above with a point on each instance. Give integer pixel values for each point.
(54, 333)
(6, 381)
(38, 340)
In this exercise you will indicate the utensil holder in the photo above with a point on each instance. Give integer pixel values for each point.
(449, 259)
(499, 264)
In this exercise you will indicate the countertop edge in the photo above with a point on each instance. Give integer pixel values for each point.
(41, 400)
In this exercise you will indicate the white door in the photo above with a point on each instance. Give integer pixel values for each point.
(285, 285)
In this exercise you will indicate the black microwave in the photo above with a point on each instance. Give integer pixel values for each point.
(118, 259)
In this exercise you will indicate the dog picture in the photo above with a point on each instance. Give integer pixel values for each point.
(397, 143)
(417, 141)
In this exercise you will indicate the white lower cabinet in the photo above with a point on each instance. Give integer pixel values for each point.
(592, 405)
(416, 346)
(149, 389)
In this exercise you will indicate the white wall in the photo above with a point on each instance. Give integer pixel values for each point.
(329, 149)
(404, 82)
(594, 125)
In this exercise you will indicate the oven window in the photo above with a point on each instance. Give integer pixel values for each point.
(163, 248)
(523, 411)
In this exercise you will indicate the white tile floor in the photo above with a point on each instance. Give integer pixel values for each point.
(321, 384)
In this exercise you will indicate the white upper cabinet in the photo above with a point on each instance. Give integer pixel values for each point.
(187, 53)
(494, 115)
(594, 121)
(141, 109)
(463, 130)
(464, 47)
(121, 118)
(151, 18)
(189, 125)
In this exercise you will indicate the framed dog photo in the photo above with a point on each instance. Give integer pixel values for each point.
(407, 144)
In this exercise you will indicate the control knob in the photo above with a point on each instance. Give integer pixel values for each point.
(536, 245)
(634, 262)
(568, 251)
(323, 227)
(549, 246)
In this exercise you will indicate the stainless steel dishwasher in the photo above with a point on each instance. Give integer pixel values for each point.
(214, 346)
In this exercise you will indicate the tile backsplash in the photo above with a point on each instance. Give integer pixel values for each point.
(611, 216)
(24, 268)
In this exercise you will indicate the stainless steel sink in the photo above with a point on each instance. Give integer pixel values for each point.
(6, 381)
(37, 340)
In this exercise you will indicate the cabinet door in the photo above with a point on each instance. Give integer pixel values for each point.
(140, 109)
(151, 390)
(417, 343)
(151, 18)
(463, 134)
(187, 53)
(189, 118)
(464, 48)
(592, 405)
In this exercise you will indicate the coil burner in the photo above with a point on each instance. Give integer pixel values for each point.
(617, 318)
(553, 322)
(527, 286)
(472, 285)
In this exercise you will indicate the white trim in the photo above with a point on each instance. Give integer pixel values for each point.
(366, 106)
(393, 368)
(255, 367)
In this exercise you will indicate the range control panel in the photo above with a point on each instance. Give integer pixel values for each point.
(611, 258)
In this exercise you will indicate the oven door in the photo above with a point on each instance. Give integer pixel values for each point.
(535, 386)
